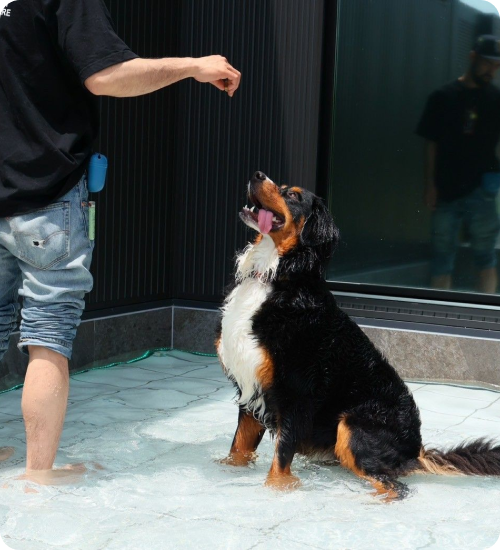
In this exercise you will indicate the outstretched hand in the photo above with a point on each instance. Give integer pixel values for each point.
(216, 70)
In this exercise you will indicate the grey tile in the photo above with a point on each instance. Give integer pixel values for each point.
(126, 376)
(464, 394)
(438, 421)
(13, 365)
(448, 404)
(160, 442)
(176, 370)
(474, 427)
(483, 359)
(422, 356)
(116, 336)
(83, 347)
(194, 329)
(415, 386)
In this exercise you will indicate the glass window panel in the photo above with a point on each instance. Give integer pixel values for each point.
(392, 57)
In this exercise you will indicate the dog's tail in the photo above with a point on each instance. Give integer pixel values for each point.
(477, 458)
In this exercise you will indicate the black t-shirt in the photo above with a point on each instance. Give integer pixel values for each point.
(48, 119)
(465, 124)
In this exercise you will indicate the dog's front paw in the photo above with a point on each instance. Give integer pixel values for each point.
(239, 459)
(283, 482)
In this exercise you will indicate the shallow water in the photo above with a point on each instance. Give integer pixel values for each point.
(159, 426)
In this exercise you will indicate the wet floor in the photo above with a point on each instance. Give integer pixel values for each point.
(159, 428)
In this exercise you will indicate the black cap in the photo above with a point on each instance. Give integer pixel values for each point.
(488, 46)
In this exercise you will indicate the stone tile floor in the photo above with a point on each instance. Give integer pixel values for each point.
(159, 427)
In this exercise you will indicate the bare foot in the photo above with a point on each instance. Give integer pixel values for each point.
(69, 474)
(283, 482)
(238, 459)
(6, 453)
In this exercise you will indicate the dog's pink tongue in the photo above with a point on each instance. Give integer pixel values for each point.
(265, 221)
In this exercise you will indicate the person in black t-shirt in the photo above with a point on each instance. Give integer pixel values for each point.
(56, 56)
(461, 124)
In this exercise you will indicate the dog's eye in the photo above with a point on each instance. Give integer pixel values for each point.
(293, 195)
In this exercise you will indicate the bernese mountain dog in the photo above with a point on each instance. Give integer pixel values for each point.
(305, 371)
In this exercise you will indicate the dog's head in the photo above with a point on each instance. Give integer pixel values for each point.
(296, 220)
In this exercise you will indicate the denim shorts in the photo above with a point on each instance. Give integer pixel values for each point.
(45, 258)
(477, 211)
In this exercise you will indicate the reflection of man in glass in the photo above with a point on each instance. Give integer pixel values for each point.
(461, 124)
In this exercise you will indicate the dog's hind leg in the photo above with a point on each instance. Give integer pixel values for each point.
(384, 485)
(293, 428)
(249, 434)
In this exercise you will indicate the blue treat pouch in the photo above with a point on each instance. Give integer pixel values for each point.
(490, 183)
(98, 167)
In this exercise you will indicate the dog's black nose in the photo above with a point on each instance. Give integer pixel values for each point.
(259, 176)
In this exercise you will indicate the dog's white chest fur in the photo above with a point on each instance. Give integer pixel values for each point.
(238, 349)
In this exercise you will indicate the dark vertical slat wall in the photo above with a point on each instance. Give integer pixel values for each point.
(271, 124)
(168, 224)
(132, 261)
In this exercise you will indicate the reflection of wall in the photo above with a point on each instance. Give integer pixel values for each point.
(490, 24)
(464, 29)
(391, 55)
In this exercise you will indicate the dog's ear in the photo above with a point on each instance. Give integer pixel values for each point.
(319, 227)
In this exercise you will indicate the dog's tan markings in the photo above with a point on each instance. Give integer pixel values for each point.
(246, 440)
(297, 190)
(434, 464)
(286, 243)
(281, 478)
(343, 449)
(265, 373)
(258, 238)
(273, 199)
(287, 237)
(344, 454)
(270, 197)
(290, 241)
(388, 493)
(277, 470)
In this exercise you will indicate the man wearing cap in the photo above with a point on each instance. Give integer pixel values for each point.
(461, 125)
(56, 56)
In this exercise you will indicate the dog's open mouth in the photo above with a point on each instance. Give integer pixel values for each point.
(263, 219)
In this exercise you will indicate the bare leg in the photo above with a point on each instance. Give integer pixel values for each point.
(441, 281)
(44, 401)
(488, 280)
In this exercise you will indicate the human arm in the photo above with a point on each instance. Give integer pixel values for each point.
(83, 32)
(140, 76)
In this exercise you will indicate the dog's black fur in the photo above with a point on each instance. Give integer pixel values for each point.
(332, 392)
